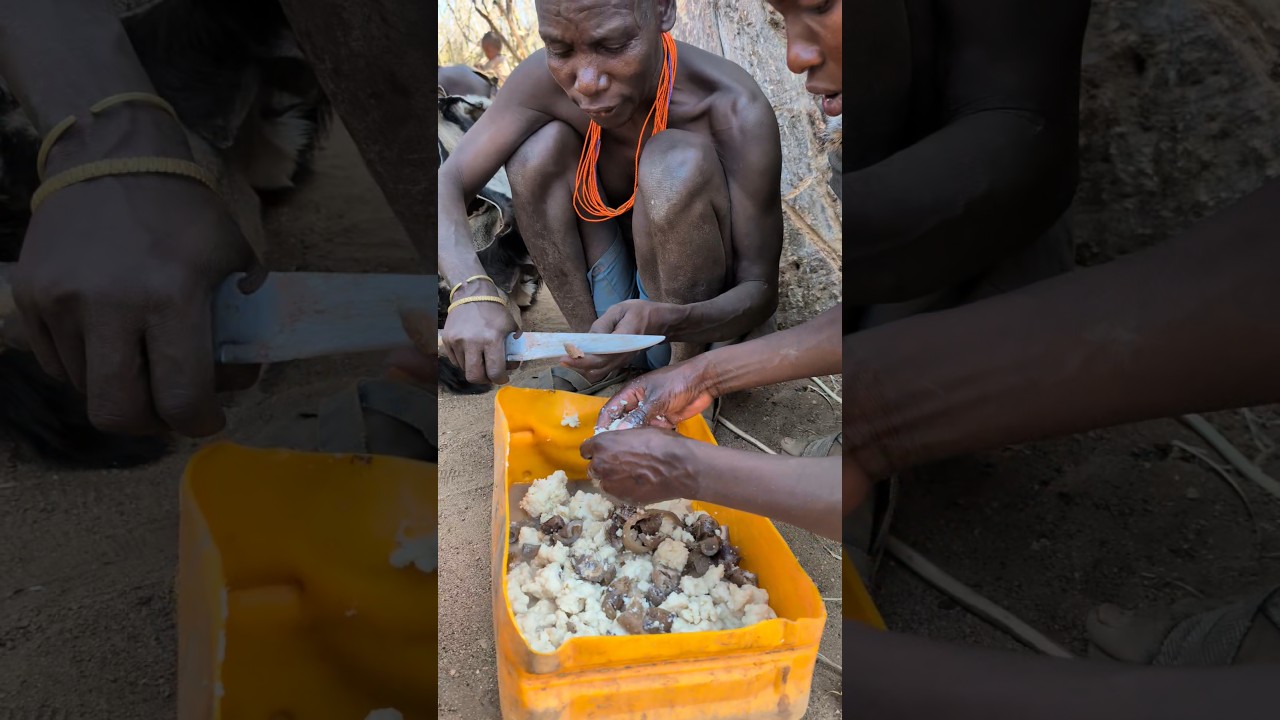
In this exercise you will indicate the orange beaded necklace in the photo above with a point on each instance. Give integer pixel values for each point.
(586, 190)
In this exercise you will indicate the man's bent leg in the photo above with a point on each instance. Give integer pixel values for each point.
(338, 38)
(563, 247)
(681, 224)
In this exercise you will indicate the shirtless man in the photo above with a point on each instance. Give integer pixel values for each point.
(696, 258)
(495, 63)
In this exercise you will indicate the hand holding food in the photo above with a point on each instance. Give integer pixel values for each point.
(663, 398)
(644, 465)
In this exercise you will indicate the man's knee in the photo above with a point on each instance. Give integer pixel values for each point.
(548, 154)
(676, 164)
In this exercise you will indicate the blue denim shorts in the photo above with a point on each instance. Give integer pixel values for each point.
(613, 279)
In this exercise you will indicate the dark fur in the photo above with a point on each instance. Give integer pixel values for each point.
(506, 260)
(202, 56)
(50, 418)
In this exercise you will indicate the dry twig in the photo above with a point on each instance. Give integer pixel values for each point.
(827, 391)
(974, 602)
(1231, 454)
(1224, 473)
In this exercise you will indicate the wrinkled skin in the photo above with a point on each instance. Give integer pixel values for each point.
(629, 317)
(663, 398)
(115, 296)
(644, 466)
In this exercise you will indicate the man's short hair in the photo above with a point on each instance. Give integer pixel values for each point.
(491, 38)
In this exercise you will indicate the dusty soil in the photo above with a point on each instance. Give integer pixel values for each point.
(1051, 529)
(88, 559)
(468, 683)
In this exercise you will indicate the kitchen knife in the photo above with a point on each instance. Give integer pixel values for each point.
(302, 314)
(305, 315)
(540, 345)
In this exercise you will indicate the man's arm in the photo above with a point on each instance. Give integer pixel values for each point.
(999, 173)
(804, 492)
(473, 333)
(1187, 326)
(483, 150)
(648, 465)
(883, 671)
(753, 170)
(59, 57)
(813, 348)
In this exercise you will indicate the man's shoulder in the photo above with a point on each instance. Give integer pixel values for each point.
(734, 90)
(531, 80)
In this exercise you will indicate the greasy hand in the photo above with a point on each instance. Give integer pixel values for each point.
(629, 317)
(114, 285)
(646, 465)
(475, 336)
(663, 398)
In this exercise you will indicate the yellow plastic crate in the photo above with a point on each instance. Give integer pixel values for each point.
(761, 671)
(288, 605)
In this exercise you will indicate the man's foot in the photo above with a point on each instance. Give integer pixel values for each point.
(375, 417)
(1191, 632)
(827, 446)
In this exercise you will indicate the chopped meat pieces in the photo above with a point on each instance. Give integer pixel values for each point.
(582, 566)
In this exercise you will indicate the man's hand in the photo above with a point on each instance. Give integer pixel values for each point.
(646, 465)
(663, 398)
(421, 364)
(475, 340)
(629, 317)
(115, 286)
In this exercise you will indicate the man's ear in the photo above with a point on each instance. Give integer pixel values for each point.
(666, 14)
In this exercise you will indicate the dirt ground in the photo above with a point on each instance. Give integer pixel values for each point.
(87, 559)
(1049, 530)
(468, 683)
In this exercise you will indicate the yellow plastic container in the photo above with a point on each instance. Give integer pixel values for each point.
(761, 671)
(288, 605)
(856, 602)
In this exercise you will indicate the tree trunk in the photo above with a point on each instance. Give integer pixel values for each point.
(751, 35)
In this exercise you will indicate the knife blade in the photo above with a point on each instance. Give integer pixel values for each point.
(539, 345)
(300, 315)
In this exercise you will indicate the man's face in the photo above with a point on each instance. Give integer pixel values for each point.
(606, 54)
(490, 49)
(814, 47)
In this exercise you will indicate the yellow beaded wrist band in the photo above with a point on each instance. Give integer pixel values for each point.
(121, 166)
(114, 166)
(477, 298)
(457, 287)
